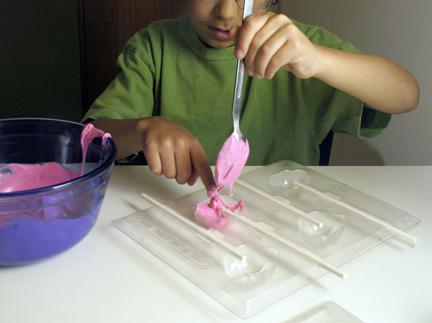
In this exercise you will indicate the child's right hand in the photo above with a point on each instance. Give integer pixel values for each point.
(269, 42)
(172, 151)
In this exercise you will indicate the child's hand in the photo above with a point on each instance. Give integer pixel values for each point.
(173, 152)
(270, 41)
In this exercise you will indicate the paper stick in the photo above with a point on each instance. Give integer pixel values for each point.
(194, 226)
(299, 249)
(407, 237)
(291, 208)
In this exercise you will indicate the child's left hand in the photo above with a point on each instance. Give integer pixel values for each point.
(270, 41)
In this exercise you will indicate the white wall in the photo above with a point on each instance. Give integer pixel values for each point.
(397, 29)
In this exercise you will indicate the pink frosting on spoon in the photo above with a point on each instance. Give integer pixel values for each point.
(230, 162)
(19, 177)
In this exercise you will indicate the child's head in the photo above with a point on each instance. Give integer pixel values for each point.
(217, 21)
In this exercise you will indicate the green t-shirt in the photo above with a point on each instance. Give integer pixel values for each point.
(166, 70)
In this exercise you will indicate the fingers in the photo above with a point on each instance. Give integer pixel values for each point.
(247, 33)
(171, 159)
(266, 43)
(151, 152)
(202, 166)
(173, 152)
(183, 164)
(261, 57)
(169, 169)
(263, 43)
(278, 59)
(192, 180)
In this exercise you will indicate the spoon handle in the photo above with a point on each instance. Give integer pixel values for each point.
(236, 110)
(237, 103)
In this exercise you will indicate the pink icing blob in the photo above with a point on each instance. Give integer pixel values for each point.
(210, 214)
(230, 162)
(19, 177)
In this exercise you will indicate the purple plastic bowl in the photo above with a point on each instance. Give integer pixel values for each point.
(39, 223)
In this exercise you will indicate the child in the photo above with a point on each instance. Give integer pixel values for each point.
(173, 95)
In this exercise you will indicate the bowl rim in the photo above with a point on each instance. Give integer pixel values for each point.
(62, 185)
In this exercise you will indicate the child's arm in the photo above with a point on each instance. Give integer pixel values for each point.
(170, 150)
(271, 41)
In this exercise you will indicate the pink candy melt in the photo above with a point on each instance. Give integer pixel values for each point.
(210, 215)
(20, 177)
(230, 162)
(89, 133)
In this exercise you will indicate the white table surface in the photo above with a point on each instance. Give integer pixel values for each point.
(107, 278)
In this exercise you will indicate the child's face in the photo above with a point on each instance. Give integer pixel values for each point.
(217, 21)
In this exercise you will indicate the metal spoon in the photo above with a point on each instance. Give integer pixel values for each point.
(235, 151)
(237, 103)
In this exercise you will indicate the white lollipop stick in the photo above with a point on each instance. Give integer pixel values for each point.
(407, 237)
(303, 251)
(194, 226)
(291, 208)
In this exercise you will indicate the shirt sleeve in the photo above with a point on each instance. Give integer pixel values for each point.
(131, 94)
(334, 110)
